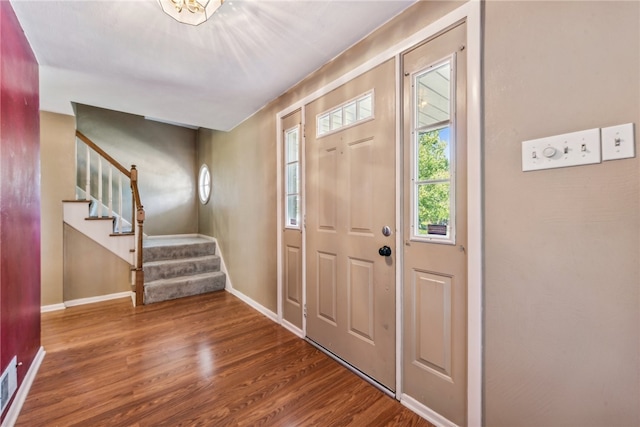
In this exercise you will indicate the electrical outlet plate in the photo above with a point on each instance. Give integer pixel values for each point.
(618, 142)
(559, 151)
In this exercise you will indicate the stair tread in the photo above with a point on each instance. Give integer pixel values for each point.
(179, 279)
(176, 241)
(179, 260)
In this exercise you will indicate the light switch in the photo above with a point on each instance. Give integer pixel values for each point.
(559, 151)
(618, 142)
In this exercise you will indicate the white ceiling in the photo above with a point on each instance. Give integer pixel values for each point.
(127, 55)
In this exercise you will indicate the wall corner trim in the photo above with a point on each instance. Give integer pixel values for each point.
(23, 391)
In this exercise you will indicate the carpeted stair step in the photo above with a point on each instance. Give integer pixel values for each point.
(178, 287)
(167, 269)
(161, 250)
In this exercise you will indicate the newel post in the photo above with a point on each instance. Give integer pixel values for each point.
(139, 269)
(139, 219)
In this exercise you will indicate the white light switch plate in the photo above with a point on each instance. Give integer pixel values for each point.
(559, 151)
(618, 142)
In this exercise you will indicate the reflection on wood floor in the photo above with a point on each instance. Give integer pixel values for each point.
(208, 360)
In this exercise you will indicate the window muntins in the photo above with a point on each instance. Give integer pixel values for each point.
(350, 113)
(433, 153)
(204, 184)
(292, 177)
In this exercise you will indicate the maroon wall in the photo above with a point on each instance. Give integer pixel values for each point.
(19, 196)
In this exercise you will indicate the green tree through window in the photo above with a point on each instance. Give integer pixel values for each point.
(433, 180)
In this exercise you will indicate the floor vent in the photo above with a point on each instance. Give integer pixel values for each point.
(8, 383)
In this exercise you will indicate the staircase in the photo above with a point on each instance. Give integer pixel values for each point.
(176, 267)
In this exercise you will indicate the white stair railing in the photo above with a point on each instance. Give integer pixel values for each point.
(100, 179)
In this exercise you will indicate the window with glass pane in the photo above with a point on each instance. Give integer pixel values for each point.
(434, 156)
(336, 119)
(292, 177)
(349, 113)
(365, 107)
(324, 124)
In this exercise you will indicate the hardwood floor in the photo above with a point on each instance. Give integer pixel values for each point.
(208, 360)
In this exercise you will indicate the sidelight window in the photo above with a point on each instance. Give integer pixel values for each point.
(292, 177)
(433, 175)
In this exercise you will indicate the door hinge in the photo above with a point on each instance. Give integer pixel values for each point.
(304, 221)
(304, 310)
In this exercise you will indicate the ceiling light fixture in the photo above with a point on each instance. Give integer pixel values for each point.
(192, 12)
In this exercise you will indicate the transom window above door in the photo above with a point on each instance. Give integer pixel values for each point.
(350, 113)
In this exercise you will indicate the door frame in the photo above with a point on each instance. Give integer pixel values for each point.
(471, 12)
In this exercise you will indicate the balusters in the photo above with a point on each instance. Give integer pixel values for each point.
(110, 191)
(99, 187)
(87, 188)
(77, 156)
(120, 203)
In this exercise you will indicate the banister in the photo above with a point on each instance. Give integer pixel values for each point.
(138, 214)
(102, 153)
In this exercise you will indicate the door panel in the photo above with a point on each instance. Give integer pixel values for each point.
(292, 233)
(350, 197)
(293, 275)
(435, 274)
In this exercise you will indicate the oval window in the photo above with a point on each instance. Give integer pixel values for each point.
(204, 184)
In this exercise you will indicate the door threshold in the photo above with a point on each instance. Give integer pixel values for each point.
(353, 369)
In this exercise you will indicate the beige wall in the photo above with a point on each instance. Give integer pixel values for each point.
(57, 151)
(242, 206)
(165, 156)
(242, 210)
(91, 270)
(562, 246)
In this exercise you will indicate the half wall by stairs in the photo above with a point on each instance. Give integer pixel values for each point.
(176, 267)
(100, 230)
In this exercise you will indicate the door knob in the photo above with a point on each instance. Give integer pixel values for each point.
(385, 251)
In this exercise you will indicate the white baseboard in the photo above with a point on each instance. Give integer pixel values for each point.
(257, 306)
(23, 390)
(425, 412)
(292, 328)
(52, 307)
(229, 286)
(100, 298)
(223, 267)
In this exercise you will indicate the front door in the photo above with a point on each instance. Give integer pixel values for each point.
(435, 225)
(350, 198)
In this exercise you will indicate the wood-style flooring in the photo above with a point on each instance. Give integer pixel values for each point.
(208, 360)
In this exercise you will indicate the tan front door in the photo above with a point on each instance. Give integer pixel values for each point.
(350, 192)
(292, 232)
(435, 225)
